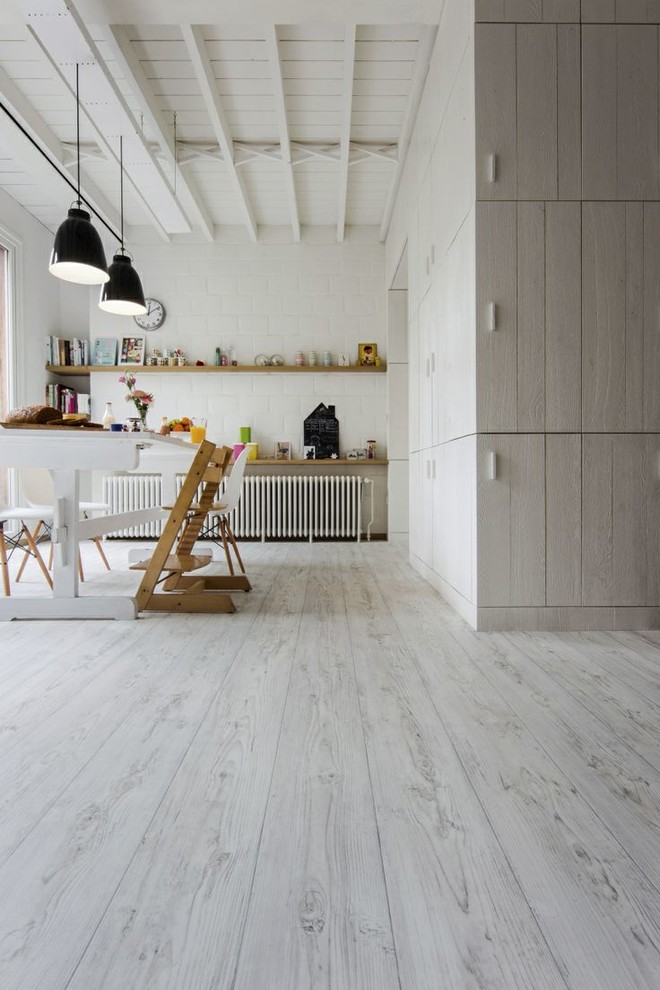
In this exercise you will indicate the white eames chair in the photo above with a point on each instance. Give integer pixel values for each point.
(37, 489)
(21, 537)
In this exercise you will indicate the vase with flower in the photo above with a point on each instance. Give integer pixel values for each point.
(141, 400)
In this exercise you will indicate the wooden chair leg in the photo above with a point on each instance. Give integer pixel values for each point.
(99, 547)
(35, 537)
(37, 556)
(81, 574)
(3, 563)
(223, 534)
(230, 533)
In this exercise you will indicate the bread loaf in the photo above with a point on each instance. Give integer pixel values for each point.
(33, 414)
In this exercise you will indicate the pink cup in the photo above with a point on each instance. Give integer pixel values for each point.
(238, 447)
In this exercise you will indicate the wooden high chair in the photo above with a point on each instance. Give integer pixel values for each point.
(181, 591)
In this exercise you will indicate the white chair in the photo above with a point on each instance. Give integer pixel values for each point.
(22, 540)
(37, 489)
(221, 511)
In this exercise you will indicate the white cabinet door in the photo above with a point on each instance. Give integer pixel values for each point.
(422, 470)
(497, 326)
(620, 112)
(527, 111)
(529, 316)
(427, 363)
(511, 520)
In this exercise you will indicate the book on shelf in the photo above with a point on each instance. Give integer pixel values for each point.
(67, 353)
(63, 398)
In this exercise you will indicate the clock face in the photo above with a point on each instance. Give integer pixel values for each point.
(153, 318)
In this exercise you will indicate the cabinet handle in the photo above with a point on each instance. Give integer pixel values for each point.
(491, 168)
(491, 317)
(491, 465)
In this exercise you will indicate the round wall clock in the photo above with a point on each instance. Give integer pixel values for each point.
(153, 318)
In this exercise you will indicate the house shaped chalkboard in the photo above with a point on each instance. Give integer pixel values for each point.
(321, 430)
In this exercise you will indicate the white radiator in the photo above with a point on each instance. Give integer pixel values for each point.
(271, 506)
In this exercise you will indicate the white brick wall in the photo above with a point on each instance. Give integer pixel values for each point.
(260, 298)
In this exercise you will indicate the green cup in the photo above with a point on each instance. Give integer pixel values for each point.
(245, 434)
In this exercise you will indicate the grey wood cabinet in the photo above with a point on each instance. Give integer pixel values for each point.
(511, 520)
(620, 112)
(527, 111)
(528, 316)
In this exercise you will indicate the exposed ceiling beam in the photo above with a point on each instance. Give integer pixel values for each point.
(63, 37)
(45, 175)
(345, 137)
(122, 51)
(247, 151)
(273, 49)
(426, 42)
(194, 39)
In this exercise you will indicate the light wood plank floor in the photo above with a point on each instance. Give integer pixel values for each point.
(340, 786)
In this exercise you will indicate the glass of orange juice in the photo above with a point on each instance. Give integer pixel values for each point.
(198, 430)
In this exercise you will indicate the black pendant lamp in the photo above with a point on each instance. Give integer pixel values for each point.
(122, 294)
(78, 254)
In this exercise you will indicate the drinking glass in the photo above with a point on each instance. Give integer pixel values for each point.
(198, 430)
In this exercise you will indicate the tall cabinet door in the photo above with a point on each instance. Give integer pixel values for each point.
(423, 473)
(528, 111)
(511, 520)
(620, 101)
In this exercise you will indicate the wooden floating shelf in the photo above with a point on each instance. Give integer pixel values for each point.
(186, 369)
(321, 462)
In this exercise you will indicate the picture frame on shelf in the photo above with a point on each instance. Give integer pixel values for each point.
(367, 354)
(132, 350)
(309, 453)
(343, 361)
(283, 450)
(105, 351)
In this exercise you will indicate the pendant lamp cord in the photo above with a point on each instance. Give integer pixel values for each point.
(174, 122)
(121, 189)
(78, 131)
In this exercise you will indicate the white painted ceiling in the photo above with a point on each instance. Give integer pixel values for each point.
(290, 113)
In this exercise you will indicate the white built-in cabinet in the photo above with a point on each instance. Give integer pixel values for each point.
(568, 298)
(529, 316)
(568, 520)
(528, 111)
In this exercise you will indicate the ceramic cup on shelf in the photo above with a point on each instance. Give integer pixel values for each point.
(238, 448)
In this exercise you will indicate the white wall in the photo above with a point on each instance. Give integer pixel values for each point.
(262, 298)
(434, 215)
(37, 300)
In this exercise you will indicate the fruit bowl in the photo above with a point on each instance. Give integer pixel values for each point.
(180, 425)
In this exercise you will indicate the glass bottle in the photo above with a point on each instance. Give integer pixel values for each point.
(108, 416)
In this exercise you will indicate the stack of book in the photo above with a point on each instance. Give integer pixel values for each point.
(66, 399)
(74, 352)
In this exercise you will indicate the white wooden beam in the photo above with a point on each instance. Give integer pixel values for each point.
(345, 137)
(64, 39)
(18, 144)
(273, 50)
(194, 39)
(122, 51)
(426, 42)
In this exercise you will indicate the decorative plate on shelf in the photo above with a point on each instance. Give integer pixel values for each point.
(277, 360)
(262, 361)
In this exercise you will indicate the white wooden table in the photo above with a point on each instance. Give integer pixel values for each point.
(66, 453)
